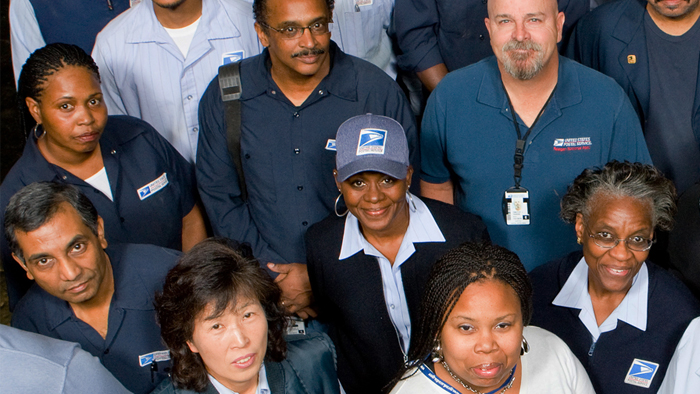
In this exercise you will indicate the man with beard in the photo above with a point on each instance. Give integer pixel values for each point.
(157, 59)
(295, 95)
(652, 49)
(503, 138)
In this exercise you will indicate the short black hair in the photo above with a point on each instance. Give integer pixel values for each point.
(214, 272)
(35, 204)
(260, 9)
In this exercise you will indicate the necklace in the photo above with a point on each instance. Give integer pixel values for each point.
(508, 384)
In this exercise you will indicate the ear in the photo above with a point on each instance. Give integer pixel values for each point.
(101, 232)
(34, 109)
(579, 226)
(409, 176)
(192, 347)
(560, 25)
(23, 265)
(335, 176)
(262, 35)
(487, 22)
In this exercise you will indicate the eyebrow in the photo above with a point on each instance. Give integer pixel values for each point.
(40, 255)
(237, 310)
(295, 23)
(467, 318)
(73, 98)
(528, 15)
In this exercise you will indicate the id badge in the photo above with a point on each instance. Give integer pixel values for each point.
(516, 206)
(296, 326)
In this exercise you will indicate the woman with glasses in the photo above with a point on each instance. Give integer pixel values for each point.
(621, 315)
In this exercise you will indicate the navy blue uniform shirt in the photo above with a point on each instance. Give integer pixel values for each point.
(139, 271)
(287, 165)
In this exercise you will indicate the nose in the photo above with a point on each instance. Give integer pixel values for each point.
(520, 33)
(239, 339)
(307, 39)
(69, 270)
(620, 252)
(485, 342)
(85, 115)
(374, 193)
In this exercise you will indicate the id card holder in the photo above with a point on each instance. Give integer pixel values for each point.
(516, 206)
(296, 326)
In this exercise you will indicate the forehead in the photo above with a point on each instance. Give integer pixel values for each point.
(55, 234)
(521, 7)
(616, 211)
(236, 306)
(487, 297)
(71, 81)
(300, 11)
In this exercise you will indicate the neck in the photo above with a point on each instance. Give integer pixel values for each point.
(248, 387)
(604, 302)
(95, 311)
(81, 164)
(297, 87)
(529, 96)
(674, 26)
(388, 240)
(181, 16)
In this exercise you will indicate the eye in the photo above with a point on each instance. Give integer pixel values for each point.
(388, 181)
(94, 102)
(534, 19)
(638, 239)
(466, 328)
(604, 235)
(79, 247)
(357, 183)
(65, 107)
(248, 315)
(503, 325)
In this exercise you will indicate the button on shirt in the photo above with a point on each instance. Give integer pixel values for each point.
(263, 387)
(145, 75)
(421, 228)
(632, 310)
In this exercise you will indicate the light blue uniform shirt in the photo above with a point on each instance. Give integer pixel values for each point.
(25, 35)
(683, 374)
(263, 387)
(632, 310)
(421, 228)
(145, 75)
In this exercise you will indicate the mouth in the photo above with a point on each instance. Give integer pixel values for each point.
(309, 56)
(487, 371)
(88, 137)
(78, 288)
(245, 361)
(375, 212)
(617, 271)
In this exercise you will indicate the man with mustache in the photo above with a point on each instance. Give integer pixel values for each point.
(652, 49)
(98, 295)
(294, 97)
(505, 136)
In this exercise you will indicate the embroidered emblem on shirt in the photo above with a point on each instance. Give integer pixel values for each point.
(153, 187)
(372, 142)
(330, 144)
(232, 57)
(148, 359)
(631, 59)
(364, 2)
(569, 144)
(641, 373)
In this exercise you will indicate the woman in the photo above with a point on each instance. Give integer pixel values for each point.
(473, 337)
(221, 318)
(142, 188)
(621, 315)
(368, 269)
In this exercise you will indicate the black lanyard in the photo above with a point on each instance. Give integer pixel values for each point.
(520, 143)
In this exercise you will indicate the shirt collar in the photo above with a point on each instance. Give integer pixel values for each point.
(263, 387)
(421, 228)
(632, 310)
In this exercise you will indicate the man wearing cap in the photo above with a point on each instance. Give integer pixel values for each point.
(294, 97)
(509, 133)
(368, 269)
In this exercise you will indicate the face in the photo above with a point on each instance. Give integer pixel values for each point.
(377, 200)
(673, 9)
(71, 110)
(482, 336)
(524, 34)
(612, 270)
(301, 57)
(65, 257)
(168, 4)
(233, 345)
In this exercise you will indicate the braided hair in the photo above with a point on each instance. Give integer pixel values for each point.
(457, 269)
(45, 62)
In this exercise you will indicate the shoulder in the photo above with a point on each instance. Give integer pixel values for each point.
(594, 84)
(31, 312)
(116, 29)
(602, 19)
(666, 289)
(313, 344)
(415, 382)
(539, 338)
(560, 268)
(124, 128)
(453, 221)
(327, 228)
(167, 387)
(149, 262)
(36, 345)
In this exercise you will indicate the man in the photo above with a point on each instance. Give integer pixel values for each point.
(438, 36)
(99, 297)
(563, 119)
(33, 363)
(652, 49)
(157, 59)
(295, 96)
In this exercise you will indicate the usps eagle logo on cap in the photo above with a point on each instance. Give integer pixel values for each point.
(372, 142)
(641, 373)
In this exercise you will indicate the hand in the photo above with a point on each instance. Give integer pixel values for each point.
(293, 280)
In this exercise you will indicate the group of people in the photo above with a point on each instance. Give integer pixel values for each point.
(414, 262)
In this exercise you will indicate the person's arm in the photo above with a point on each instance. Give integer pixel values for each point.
(193, 228)
(108, 82)
(293, 280)
(628, 141)
(25, 35)
(417, 23)
(438, 191)
(85, 374)
(432, 76)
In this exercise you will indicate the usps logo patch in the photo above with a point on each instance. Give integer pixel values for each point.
(641, 373)
(153, 187)
(572, 144)
(372, 142)
(232, 57)
(148, 359)
(330, 144)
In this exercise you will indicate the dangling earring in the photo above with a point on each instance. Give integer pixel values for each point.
(579, 241)
(412, 207)
(36, 129)
(436, 354)
(335, 207)
(524, 347)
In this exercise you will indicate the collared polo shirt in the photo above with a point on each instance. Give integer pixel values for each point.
(139, 271)
(421, 228)
(468, 136)
(263, 387)
(632, 310)
(287, 160)
(145, 75)
(152, 185)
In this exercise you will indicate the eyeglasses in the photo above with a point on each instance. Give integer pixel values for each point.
(292, 32)
(605, 240)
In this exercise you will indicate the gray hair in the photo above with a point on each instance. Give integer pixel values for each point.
(34, 205)
(642, 182)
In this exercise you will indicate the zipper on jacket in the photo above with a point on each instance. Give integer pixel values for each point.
(590, 351)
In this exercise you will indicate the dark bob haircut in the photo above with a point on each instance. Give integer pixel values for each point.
(458, 268)
(213, 272)
(35, 204)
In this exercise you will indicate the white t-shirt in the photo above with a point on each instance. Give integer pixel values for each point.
(183, 36)
(548, 368)
(100, 182)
